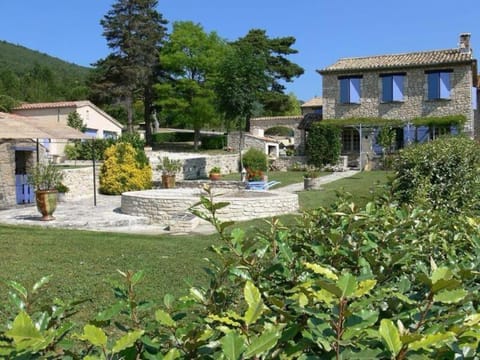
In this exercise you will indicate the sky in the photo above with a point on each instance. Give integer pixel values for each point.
(325, 30)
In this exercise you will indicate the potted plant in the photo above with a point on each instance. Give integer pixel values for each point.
(215, 173)
(45, 179)
(309, 179)
(169, 168)
(62, 190)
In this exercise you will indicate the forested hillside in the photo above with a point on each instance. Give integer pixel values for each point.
(28, 75)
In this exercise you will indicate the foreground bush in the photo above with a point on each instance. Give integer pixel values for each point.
(382, 282)
(124, 169)
(444, 173)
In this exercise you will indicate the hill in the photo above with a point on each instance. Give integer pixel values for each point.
(21, 59)
(28, 75)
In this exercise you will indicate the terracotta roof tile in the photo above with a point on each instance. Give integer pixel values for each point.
(50, 105)
(316, 101)
(394, 61)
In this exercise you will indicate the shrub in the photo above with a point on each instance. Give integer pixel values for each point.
(443, 173)
(213, 142)
(255, 160)
(159, 138)
(323, 145)
(383, 282)
(124, 169)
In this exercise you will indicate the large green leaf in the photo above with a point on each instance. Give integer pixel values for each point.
(232, 345)
(364, 287)
(111, 312)
(432, 341)
(164, 318)
(450, 296)
(18, 288)
(262, 344)
(390, 335)
(347, 284)
(127, 341)
(254, 301)
(331, 288)
(24, 333)
(43, 281)
(94, 335)
(172, 355)
(322, 270)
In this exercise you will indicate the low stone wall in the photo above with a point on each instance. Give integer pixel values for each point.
(199, 184)
(284, 163)
(163, 206)
(80, 182)
(195, 166)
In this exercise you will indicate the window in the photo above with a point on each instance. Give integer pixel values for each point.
(392, 87)
(350, 140)
(439, 84)
(350, 89)
(109, 134)
(90, 132)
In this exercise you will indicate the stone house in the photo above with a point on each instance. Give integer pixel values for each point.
(20, 150)
(403, 87)
(98, 123)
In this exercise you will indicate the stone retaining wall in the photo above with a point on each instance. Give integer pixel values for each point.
(161, 206)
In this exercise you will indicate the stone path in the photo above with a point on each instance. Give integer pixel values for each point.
(106, 215)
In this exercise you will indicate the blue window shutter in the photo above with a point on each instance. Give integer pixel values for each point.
(355, 93)
(397, 87)
(433, 86)
(444, 85)
(387, 93)
(423, 134)
(474, 98)
(344, 91)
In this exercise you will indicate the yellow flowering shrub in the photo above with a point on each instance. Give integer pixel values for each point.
(124, 169)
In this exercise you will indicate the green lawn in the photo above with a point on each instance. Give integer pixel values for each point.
(83, 264)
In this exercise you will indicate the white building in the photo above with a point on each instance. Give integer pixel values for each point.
(99, 124)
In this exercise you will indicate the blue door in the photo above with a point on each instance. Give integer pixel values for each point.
(24, 191)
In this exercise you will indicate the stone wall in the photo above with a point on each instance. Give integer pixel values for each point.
(161, 206)
(291, 122)
(284, 163)
(80, 182)
(7, 175)
(415, 103)
(195, 166)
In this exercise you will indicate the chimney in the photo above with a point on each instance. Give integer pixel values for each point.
(464, 45)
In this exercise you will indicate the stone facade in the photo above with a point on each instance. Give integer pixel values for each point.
(16, 157)
(415, 103)
(7, 175)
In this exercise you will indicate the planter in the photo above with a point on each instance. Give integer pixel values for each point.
(308, 183)
(168, 181)
(215, 176)
(46, 203)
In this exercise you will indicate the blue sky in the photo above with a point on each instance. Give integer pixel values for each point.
(325, 30)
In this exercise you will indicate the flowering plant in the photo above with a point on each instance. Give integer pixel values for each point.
(254, 175)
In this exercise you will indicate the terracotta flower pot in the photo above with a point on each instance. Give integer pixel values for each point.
(215, 176)
(46, 203)
(168, 181)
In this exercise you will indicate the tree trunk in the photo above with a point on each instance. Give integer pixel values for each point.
(147, 114)
(129, 105)
(196, 139)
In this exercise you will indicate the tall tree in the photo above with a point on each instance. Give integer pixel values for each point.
(240, 82)
(191, 57)
(278, 68)
(135, 31)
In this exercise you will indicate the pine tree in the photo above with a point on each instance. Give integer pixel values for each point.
(135, 32)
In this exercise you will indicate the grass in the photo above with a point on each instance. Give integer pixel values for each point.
(360, 186)
(83, 264)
